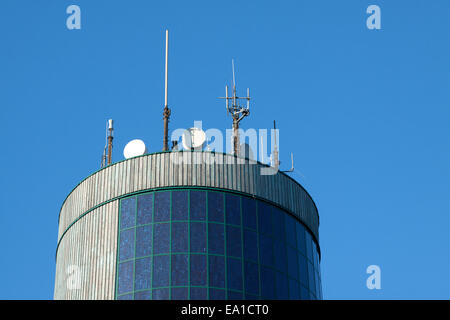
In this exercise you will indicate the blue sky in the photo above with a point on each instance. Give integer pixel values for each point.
(366, 113)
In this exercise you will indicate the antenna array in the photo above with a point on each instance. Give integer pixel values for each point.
(107, 151)
(236, 110)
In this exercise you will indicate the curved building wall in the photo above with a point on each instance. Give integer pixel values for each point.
(86, 256)
(85, 233)
(205, 244)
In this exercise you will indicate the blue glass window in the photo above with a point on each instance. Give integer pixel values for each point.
(161, 268)
(127, 212)
(161, 239)
(143, 274)
(278, 224)
(309, 252)
(198, 237)
(161, 294)
(250, 246)
(303, 270)
(198, 293)
(180, 205)
(125, 283)
(179, 293)
(179, 237)
(162, 206)
(292, 263)
(180, 270)
(279, 251)
(281, 286)
(251, 278)
(234, 242)
(315, 255)
(264, 218)
(301, 240)
(234, 271)
(265, 250)
(249, 213)
(304, 293)
(143, 241)
(126, 247)
(233, 295)
(317, 282)
(267, 283)
(216, 271)
(216, 238)
(233, 209)
(143, 295)
(198, 270)
(248, 249)
(311, 285)
(215, 206)
(294, 290)
(198, 205)
(216, 294)
(145, 208)
(291, 238)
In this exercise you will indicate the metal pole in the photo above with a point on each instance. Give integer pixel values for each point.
(166, 113)
(236, 136)
(167, 68)
(110, 139)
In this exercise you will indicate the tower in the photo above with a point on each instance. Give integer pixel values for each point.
(188, 224)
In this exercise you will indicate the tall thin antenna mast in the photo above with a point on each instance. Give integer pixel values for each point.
(110, 139)
(166, 113)
(276, 161)
(236, 111)
(107, 151)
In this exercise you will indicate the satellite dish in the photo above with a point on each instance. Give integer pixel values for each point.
(193, 138)
(134, 148)
(245, 151)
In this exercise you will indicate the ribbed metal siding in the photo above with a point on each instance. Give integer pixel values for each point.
(90, 246)
(163, 170)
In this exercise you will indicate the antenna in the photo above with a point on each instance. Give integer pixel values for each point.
(134, 148)
(275, 158)
(110, 139)
(107, 151)
(292, 165)
(166, 113)
(236, 111)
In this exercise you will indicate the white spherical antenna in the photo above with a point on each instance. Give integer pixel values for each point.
(134, 148)
(193, 138)
(245, 151)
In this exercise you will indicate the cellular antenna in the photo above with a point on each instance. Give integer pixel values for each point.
(236, 111)
(166, 113)
(275, 157)
(107, 151)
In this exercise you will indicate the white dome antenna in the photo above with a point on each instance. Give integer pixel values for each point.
(193, 139)
(134, 148)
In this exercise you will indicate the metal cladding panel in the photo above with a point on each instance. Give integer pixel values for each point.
(85, 261)
(201, 169)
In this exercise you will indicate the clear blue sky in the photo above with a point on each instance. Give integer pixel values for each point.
(366, 114)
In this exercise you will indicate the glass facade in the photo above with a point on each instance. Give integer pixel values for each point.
(205, 244)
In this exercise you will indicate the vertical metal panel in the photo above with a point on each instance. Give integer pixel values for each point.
(91, 245)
